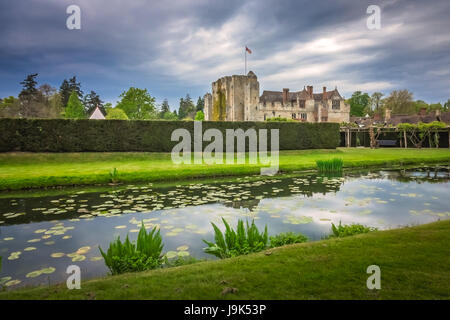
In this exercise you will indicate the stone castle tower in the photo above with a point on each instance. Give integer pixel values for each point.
(233, 98)
(236, 98)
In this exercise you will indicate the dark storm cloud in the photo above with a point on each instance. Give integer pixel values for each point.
(176, 47)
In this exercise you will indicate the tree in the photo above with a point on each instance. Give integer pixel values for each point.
(29, 87)
(200, 104)
(116, 113)
(75, 86)
(359, 103)
(137, 104)
(376, 101)
(170, 116)
(187, 108)
(64, 92)
(199, 116)
(400, 102)
(446, 105)
(164, 108)
(74, 109)
(91, 101)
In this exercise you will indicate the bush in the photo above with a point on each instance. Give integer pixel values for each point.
(131, 257)
(78, 135)
(239, 242)
(287, 238)
(116, 113)
(349, 230)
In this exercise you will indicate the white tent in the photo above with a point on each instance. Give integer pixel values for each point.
(97, 114)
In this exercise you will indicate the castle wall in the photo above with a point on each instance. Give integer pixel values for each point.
(236, 98)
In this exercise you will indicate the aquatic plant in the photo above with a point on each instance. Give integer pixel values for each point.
(331, 165)
(113, 175)
(349, 230)
(128, 256)
(287, 238)
(242, 241)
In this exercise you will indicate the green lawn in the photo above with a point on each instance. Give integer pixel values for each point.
(414, 263)
(26, 170)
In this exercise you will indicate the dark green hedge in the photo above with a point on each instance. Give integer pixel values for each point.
(63, 135)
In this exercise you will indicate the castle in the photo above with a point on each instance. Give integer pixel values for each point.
(236, 98)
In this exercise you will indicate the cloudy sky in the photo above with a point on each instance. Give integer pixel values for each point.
(180, 46)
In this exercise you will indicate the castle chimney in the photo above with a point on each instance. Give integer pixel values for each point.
(387, 114)
(310, 91)
(285, 95)
(324, 95)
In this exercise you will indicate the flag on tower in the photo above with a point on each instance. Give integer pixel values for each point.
(248, 50)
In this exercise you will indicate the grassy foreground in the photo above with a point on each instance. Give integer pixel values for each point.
(414, 263)
(33, 170)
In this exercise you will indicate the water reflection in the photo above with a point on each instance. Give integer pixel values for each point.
(55, 230)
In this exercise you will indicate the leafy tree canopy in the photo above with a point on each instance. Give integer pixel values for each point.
(74, 109)
(359, 104)
(137, 104)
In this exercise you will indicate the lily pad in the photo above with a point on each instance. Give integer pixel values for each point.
(171, 254)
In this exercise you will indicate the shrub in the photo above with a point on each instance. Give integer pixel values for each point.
(75, 135)
(349, 230)
(116, 113)
(239, 242)
(332, 165)
(287, 238)
(143, 255)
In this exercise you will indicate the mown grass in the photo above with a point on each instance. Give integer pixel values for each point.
(34, 170)
(414, 263)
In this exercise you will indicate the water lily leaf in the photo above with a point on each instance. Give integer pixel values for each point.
(96, 258)
(78, 258)
(34, 274)
(57, 255)
(171, 254)
(183, 253)
(48, 270)
(29, 249)
(12, 283)
(182, 248)
(4, 280)
(40, 231)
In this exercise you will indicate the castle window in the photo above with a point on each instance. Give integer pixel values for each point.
(273, 112)
(294, 116)
(324, 119)
(301, 103)
(273, 104)
(303, 116)
(256, 108)
(265, 117)
(336, 104)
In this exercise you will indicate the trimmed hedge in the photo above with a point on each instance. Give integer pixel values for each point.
(70, 135)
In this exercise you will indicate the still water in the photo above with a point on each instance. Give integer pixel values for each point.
(42, 233)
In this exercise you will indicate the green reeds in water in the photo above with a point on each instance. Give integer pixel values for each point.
(331, 165)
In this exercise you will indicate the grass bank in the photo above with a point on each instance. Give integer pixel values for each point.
(414, 263)
(35, 170)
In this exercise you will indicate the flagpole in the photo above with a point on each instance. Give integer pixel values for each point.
(245, 50)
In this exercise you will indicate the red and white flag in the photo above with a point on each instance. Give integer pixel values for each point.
(248, 50)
